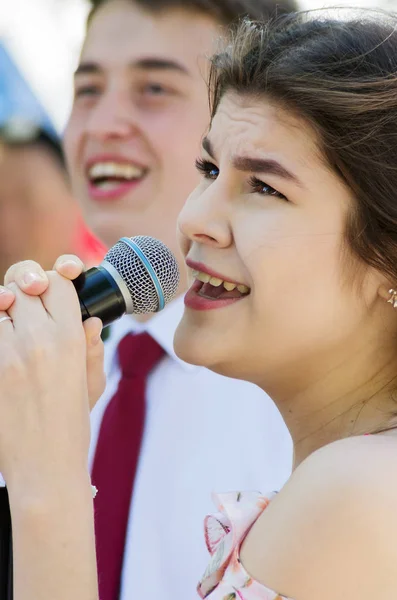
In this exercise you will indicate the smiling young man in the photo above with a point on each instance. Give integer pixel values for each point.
(139, 113)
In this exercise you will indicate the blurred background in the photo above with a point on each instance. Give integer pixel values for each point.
(29, 28)
(39, 218)
(39, 47)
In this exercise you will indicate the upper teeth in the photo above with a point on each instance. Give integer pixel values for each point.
(215, 281)
(111, 169)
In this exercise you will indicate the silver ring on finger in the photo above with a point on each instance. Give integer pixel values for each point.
(7, 318)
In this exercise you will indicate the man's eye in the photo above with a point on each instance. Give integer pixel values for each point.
(155, 89)
(87, 90)
(206, 168)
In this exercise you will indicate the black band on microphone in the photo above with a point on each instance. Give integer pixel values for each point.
(99, 296)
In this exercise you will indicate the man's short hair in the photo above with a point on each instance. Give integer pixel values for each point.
(224, 11)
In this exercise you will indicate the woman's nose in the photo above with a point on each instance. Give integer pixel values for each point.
(204, 218)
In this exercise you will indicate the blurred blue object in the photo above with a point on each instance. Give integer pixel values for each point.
(22, 117)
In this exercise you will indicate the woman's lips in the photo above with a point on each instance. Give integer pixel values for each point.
(194, 300)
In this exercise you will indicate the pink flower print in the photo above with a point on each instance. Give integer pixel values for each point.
(263, 503)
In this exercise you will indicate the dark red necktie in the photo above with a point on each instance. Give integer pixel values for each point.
(116, 457)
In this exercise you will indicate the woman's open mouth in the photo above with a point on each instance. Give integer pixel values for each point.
(208, 292)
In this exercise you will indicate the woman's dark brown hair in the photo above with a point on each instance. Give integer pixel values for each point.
(341, 77)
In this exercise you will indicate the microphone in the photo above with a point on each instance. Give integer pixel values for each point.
(138, 275)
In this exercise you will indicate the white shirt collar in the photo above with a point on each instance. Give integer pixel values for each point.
(160, 327)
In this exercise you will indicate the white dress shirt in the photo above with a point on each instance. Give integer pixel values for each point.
(203, 433)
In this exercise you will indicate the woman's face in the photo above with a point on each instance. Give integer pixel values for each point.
(269, 215)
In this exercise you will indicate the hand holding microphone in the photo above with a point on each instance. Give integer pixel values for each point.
(51, 369)
(138, 275)
(29, 277)
(46, 362)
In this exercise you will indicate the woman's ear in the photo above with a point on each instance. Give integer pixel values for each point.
(388, 293)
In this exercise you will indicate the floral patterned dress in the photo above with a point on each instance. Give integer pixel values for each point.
(225, 577)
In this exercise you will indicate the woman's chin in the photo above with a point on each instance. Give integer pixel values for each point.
(193, 347)
(199, 345)
(190, 348)
(207, 346)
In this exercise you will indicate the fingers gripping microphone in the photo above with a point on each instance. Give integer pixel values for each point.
(138, 275)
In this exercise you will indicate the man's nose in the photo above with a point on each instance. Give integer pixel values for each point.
(110, 118)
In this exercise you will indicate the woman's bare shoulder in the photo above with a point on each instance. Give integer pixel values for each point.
(331, 532)
(346, 494)
(350, 463)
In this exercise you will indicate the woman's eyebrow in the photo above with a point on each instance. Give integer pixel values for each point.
(264, 165)
(256, 165)
(207, 146)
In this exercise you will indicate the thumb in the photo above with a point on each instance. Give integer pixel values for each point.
(96, 379)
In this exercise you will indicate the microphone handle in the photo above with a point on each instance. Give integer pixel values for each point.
(99, 296)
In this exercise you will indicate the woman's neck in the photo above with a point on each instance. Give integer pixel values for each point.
(366, 417)
(342, 403)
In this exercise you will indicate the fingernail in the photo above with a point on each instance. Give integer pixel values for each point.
(68, 263)
(29, 278)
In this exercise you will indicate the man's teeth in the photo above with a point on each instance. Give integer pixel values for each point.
(111, 169)
(216, 282)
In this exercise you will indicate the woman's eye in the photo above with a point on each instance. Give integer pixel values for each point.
(206, 168)
(260, 187)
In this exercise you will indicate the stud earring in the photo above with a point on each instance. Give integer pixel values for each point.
(393, 298)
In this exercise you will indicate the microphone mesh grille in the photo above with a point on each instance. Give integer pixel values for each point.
(136, 276)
